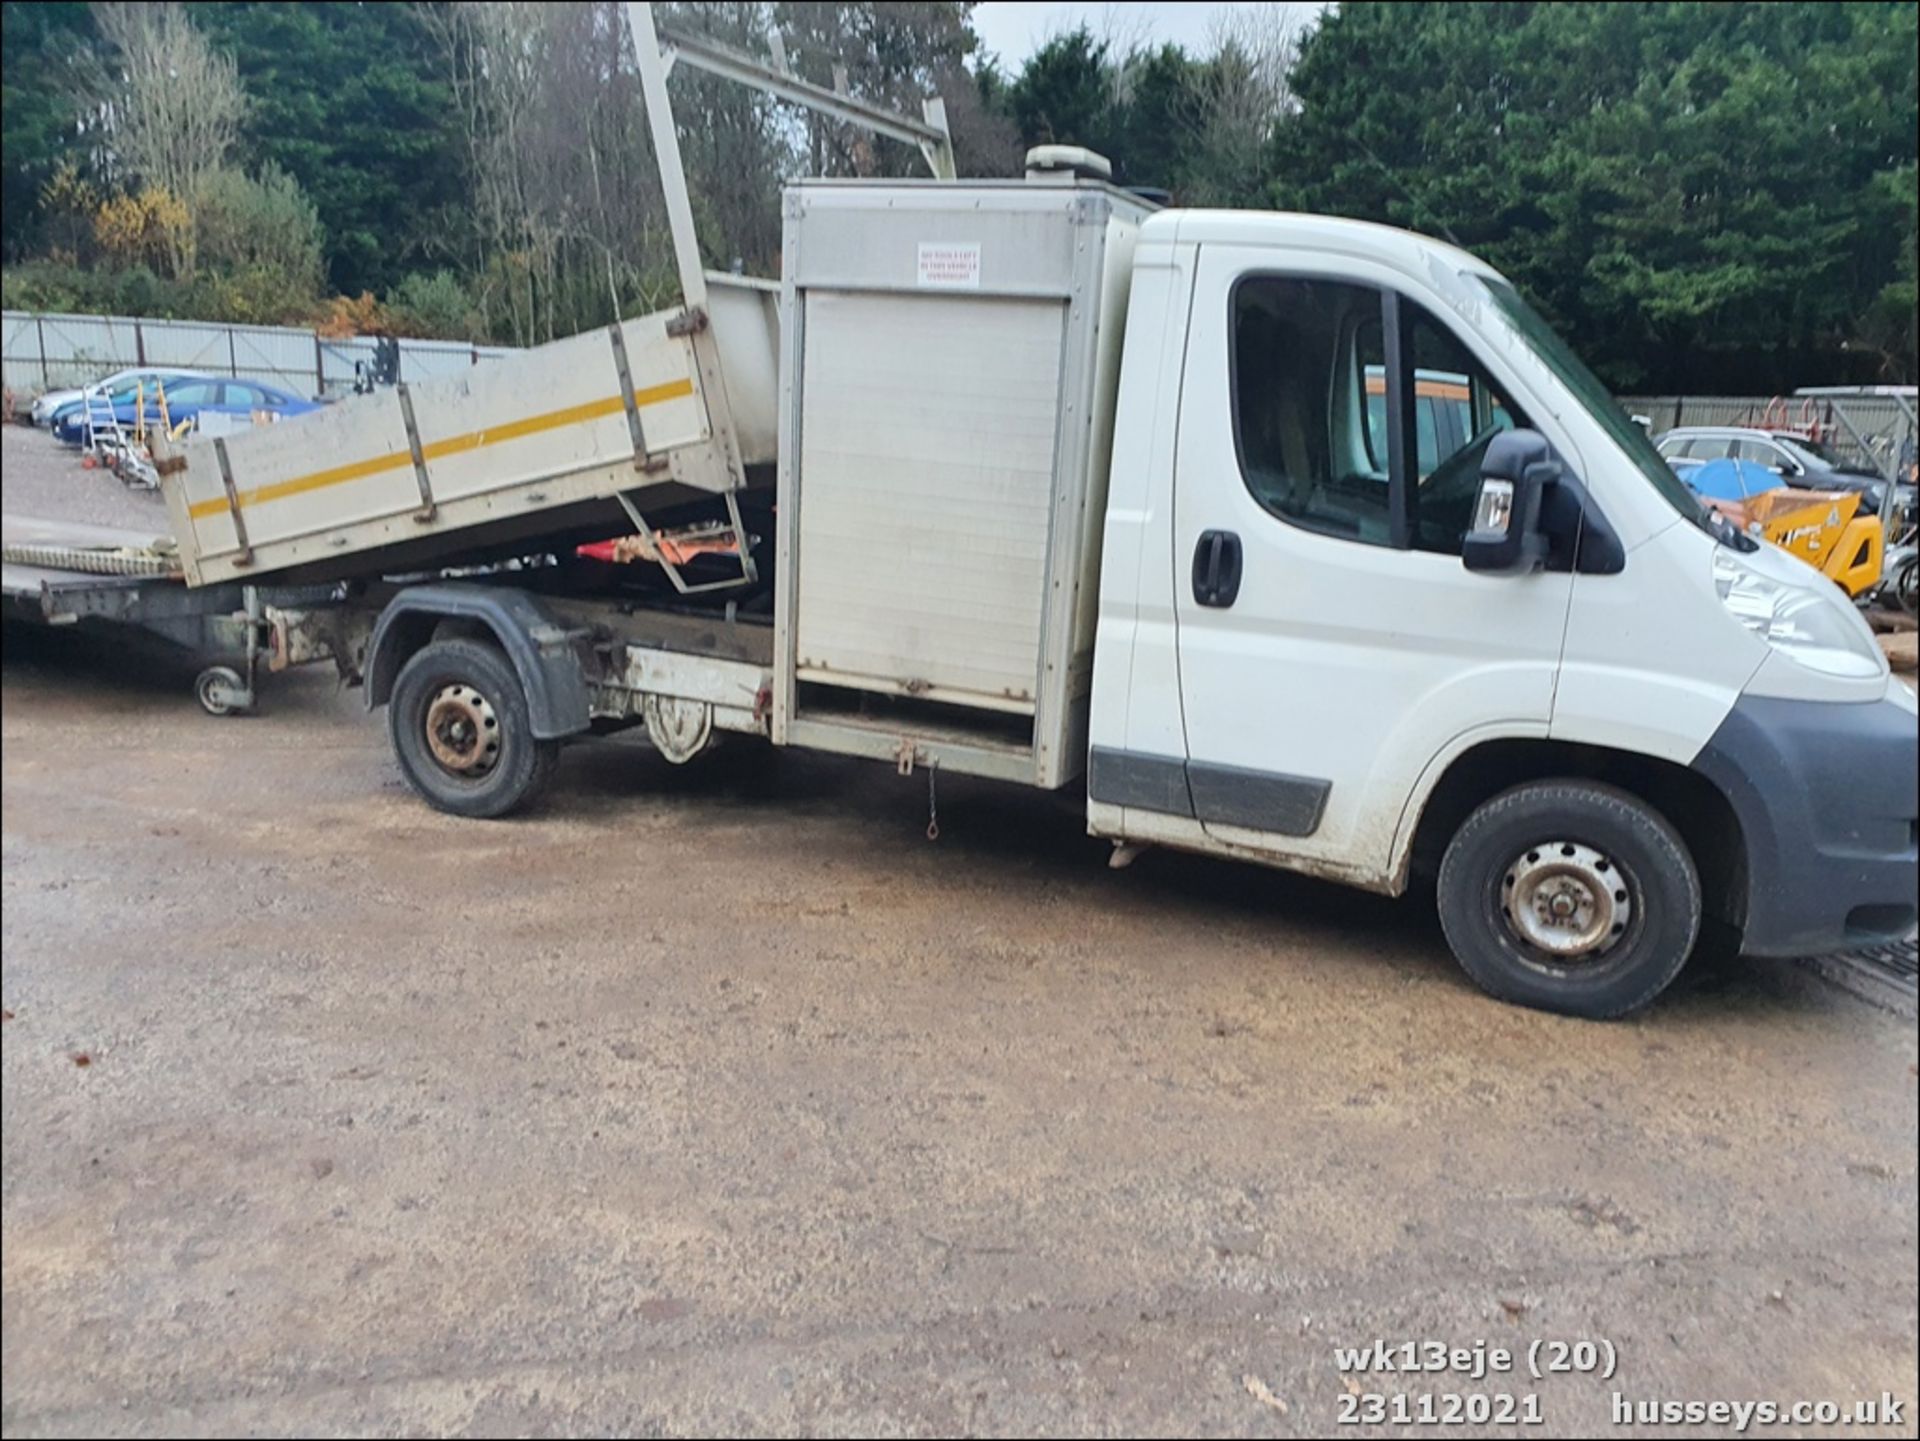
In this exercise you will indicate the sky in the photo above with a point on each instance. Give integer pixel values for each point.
(1013, 30)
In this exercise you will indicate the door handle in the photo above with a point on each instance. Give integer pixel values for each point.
(1216, 568)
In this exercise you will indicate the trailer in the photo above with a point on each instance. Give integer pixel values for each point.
(120, 583)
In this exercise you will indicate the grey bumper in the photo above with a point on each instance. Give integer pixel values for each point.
(1825, 795)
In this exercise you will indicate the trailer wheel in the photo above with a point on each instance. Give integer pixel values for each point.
(462, 732)
(221, 692)
(1570, 896)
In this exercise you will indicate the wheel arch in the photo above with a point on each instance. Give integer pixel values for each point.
(544, 655)
(1690, 803)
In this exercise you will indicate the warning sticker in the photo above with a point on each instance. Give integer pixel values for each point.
(949, 267)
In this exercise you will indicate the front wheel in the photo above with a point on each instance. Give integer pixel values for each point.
(1570, 896)
(462, 731)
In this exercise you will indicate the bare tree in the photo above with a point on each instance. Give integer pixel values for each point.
(986, 142)
(1267, 38)
(1239, 94)
(894, 54)
(738, 143)
(172, 106)
(567, 223)
(1126, 33)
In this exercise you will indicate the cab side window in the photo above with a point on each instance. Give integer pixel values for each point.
(1299, 363)
(1316, 395)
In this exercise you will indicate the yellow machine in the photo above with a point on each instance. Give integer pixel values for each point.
(1822, 527)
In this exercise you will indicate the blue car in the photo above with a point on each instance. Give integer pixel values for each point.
(195, 400)
(69, 407)
(50, 405)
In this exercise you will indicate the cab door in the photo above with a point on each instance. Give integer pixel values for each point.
(1331, 643)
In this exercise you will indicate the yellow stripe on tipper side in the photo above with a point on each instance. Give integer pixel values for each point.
(453, 445)
(337, 476)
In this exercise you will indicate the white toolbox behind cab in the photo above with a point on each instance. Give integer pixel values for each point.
(950, 353)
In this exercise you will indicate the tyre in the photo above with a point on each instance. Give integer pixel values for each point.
(1569, 896)
(220, 690)
(462, 732)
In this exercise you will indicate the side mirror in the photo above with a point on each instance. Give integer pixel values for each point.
(1505, 538)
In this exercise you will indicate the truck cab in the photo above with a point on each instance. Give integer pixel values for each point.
(1533, 666)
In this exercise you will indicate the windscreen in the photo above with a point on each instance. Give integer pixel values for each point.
(1598, 400)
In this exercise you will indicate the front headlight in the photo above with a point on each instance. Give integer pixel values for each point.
(1813, 624)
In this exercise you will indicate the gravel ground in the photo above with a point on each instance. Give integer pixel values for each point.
(42, 478)
(719, 1100)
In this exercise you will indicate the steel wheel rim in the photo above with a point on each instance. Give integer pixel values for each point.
(1565, 903)
(462, 731)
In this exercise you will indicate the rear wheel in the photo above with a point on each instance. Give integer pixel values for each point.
(1570, 896)
(462, 731)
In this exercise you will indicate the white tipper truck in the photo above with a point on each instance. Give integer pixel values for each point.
(1029, 480)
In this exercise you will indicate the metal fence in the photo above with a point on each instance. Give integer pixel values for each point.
(1873, 430)
(41, 352)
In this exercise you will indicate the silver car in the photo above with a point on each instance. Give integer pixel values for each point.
(45, 404)
(1802, 463)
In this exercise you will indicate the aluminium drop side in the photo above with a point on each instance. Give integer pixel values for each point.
(538, 445)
